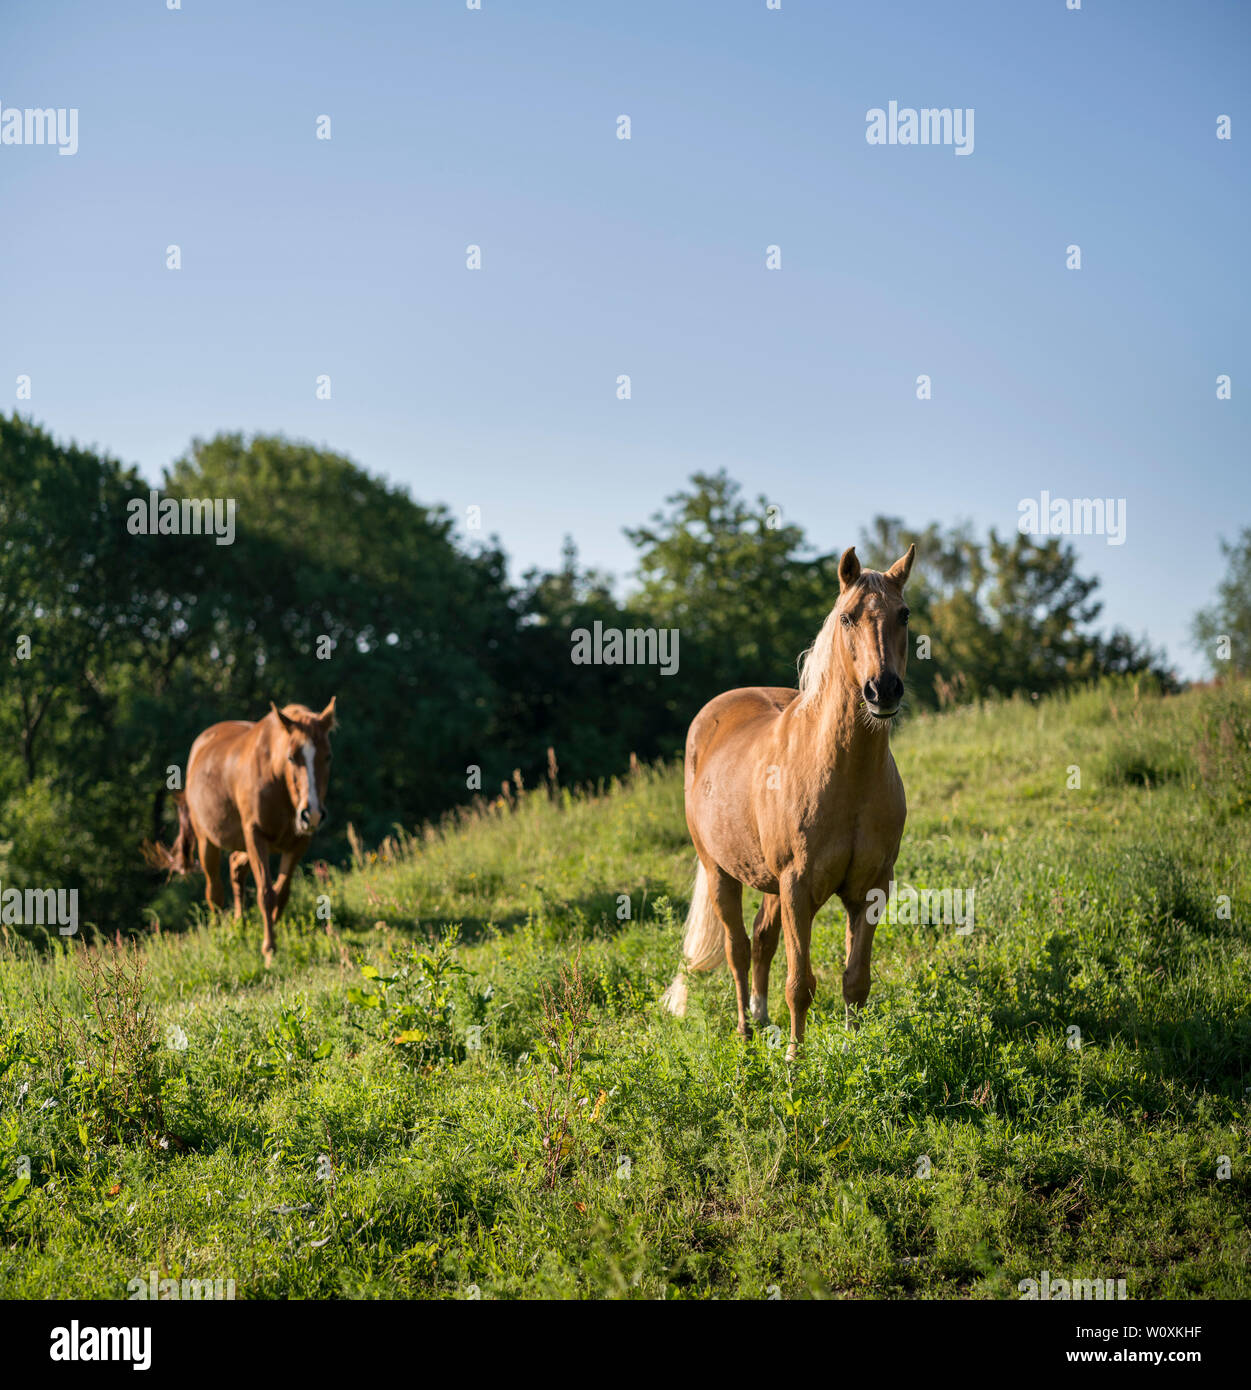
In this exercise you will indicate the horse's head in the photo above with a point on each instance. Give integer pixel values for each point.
(305, 765)
(871, 630)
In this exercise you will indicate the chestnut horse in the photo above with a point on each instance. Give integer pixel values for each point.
(795, 793)
(254, 789)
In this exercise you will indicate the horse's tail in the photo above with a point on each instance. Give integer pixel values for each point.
(704, 946)
(181, 859)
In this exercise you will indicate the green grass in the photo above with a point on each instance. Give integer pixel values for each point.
(692, 1164)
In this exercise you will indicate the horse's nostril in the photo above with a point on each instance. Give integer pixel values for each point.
(870, 692)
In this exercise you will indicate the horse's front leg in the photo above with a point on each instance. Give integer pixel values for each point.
(282, 884)
(258, 857)
(862, 920)
(801, 983)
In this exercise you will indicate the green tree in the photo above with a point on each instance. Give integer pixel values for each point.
(1228, 620)
(81, 599)
(1001, 616)
(336, 583)
(340, 584)
(743, 586)
(593, 716)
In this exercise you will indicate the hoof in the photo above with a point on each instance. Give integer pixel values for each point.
(792, 1052)
(759, 1010)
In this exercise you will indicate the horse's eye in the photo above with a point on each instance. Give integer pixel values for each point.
(291, 757)
(904, 615)
(847, 620)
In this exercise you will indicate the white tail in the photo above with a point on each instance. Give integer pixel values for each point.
(703, 947)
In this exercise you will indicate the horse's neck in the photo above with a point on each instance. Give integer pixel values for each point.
(271, 769)
(846, 739)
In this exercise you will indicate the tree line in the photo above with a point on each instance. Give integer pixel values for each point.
(118, 645)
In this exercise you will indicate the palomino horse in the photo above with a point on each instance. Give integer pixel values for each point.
(795, 793)
(254, 789)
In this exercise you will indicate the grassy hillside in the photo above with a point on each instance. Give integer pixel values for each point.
(380, 1115)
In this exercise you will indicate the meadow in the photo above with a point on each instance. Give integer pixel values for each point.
(466, 1088)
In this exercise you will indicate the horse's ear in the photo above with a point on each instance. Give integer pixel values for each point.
(286, 723)
(902, 568)
(848, 568)
(327, 718)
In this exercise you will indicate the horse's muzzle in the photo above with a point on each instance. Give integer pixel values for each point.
(883, 694)
(307, 821)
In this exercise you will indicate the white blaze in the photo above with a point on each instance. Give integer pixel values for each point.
(314, 805)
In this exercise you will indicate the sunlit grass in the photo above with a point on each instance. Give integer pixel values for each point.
(957, 1144)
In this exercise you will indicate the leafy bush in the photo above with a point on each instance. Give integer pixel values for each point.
(414, 1003)
(109, 1053)
(1224, 748)
(291, 1051)
(552, 1076)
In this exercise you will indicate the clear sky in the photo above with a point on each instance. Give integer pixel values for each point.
(497, 388)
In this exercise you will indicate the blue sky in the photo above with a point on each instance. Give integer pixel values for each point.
(497, 388)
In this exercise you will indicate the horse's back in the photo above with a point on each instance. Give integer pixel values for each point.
(726, 755)
(734, 715)
(220, 737)
(209, 791)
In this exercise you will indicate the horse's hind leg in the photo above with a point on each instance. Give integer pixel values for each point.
(210, 862)
(239, 879)
(728, 897)
(765, 933)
